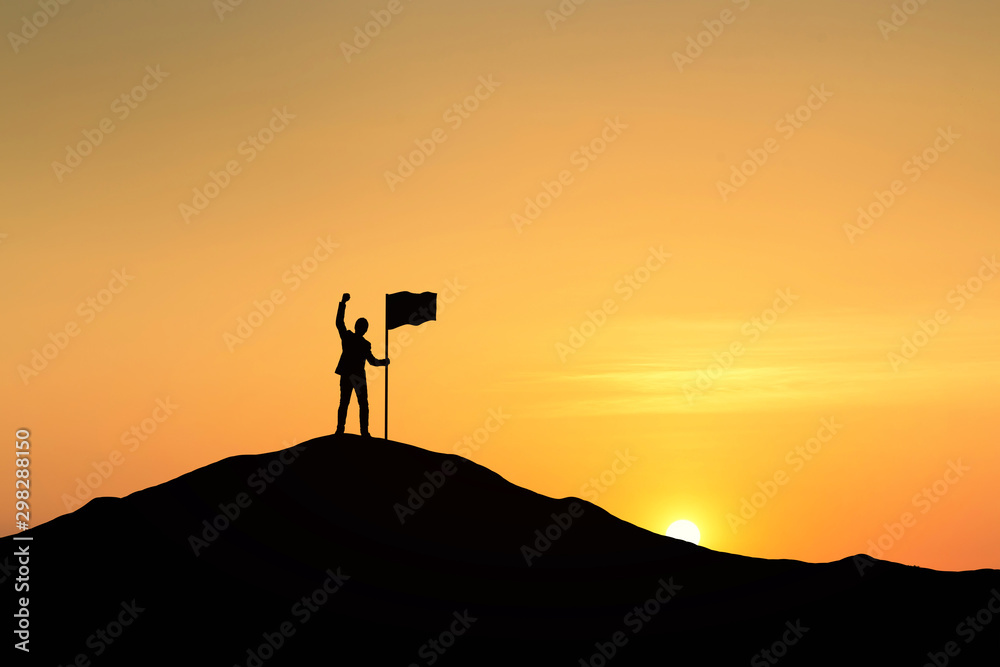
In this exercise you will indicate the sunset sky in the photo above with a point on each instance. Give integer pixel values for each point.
(672, 243)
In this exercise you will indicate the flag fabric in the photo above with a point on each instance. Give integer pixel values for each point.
(408, 308)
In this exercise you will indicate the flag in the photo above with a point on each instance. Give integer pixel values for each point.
(408, 308)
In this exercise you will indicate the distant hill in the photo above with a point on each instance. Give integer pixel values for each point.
(335, 558)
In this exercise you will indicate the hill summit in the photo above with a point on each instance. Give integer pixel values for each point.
(343, 550)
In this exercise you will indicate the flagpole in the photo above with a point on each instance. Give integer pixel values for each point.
(385, 430)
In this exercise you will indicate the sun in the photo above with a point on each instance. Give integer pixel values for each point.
(683, 529)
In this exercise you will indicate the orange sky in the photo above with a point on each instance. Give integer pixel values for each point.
(643, 222)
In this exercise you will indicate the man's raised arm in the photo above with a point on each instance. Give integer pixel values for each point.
(341, 327)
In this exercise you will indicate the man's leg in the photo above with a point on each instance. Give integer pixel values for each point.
(345, 400)
(361, 387)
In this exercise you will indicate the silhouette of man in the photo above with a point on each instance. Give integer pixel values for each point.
(351, 368)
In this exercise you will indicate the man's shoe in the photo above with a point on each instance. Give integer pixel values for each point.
(366, 434)
(339, 431)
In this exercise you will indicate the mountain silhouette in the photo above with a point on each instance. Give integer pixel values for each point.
(343, 550)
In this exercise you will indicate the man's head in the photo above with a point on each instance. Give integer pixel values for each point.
(361, 326)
